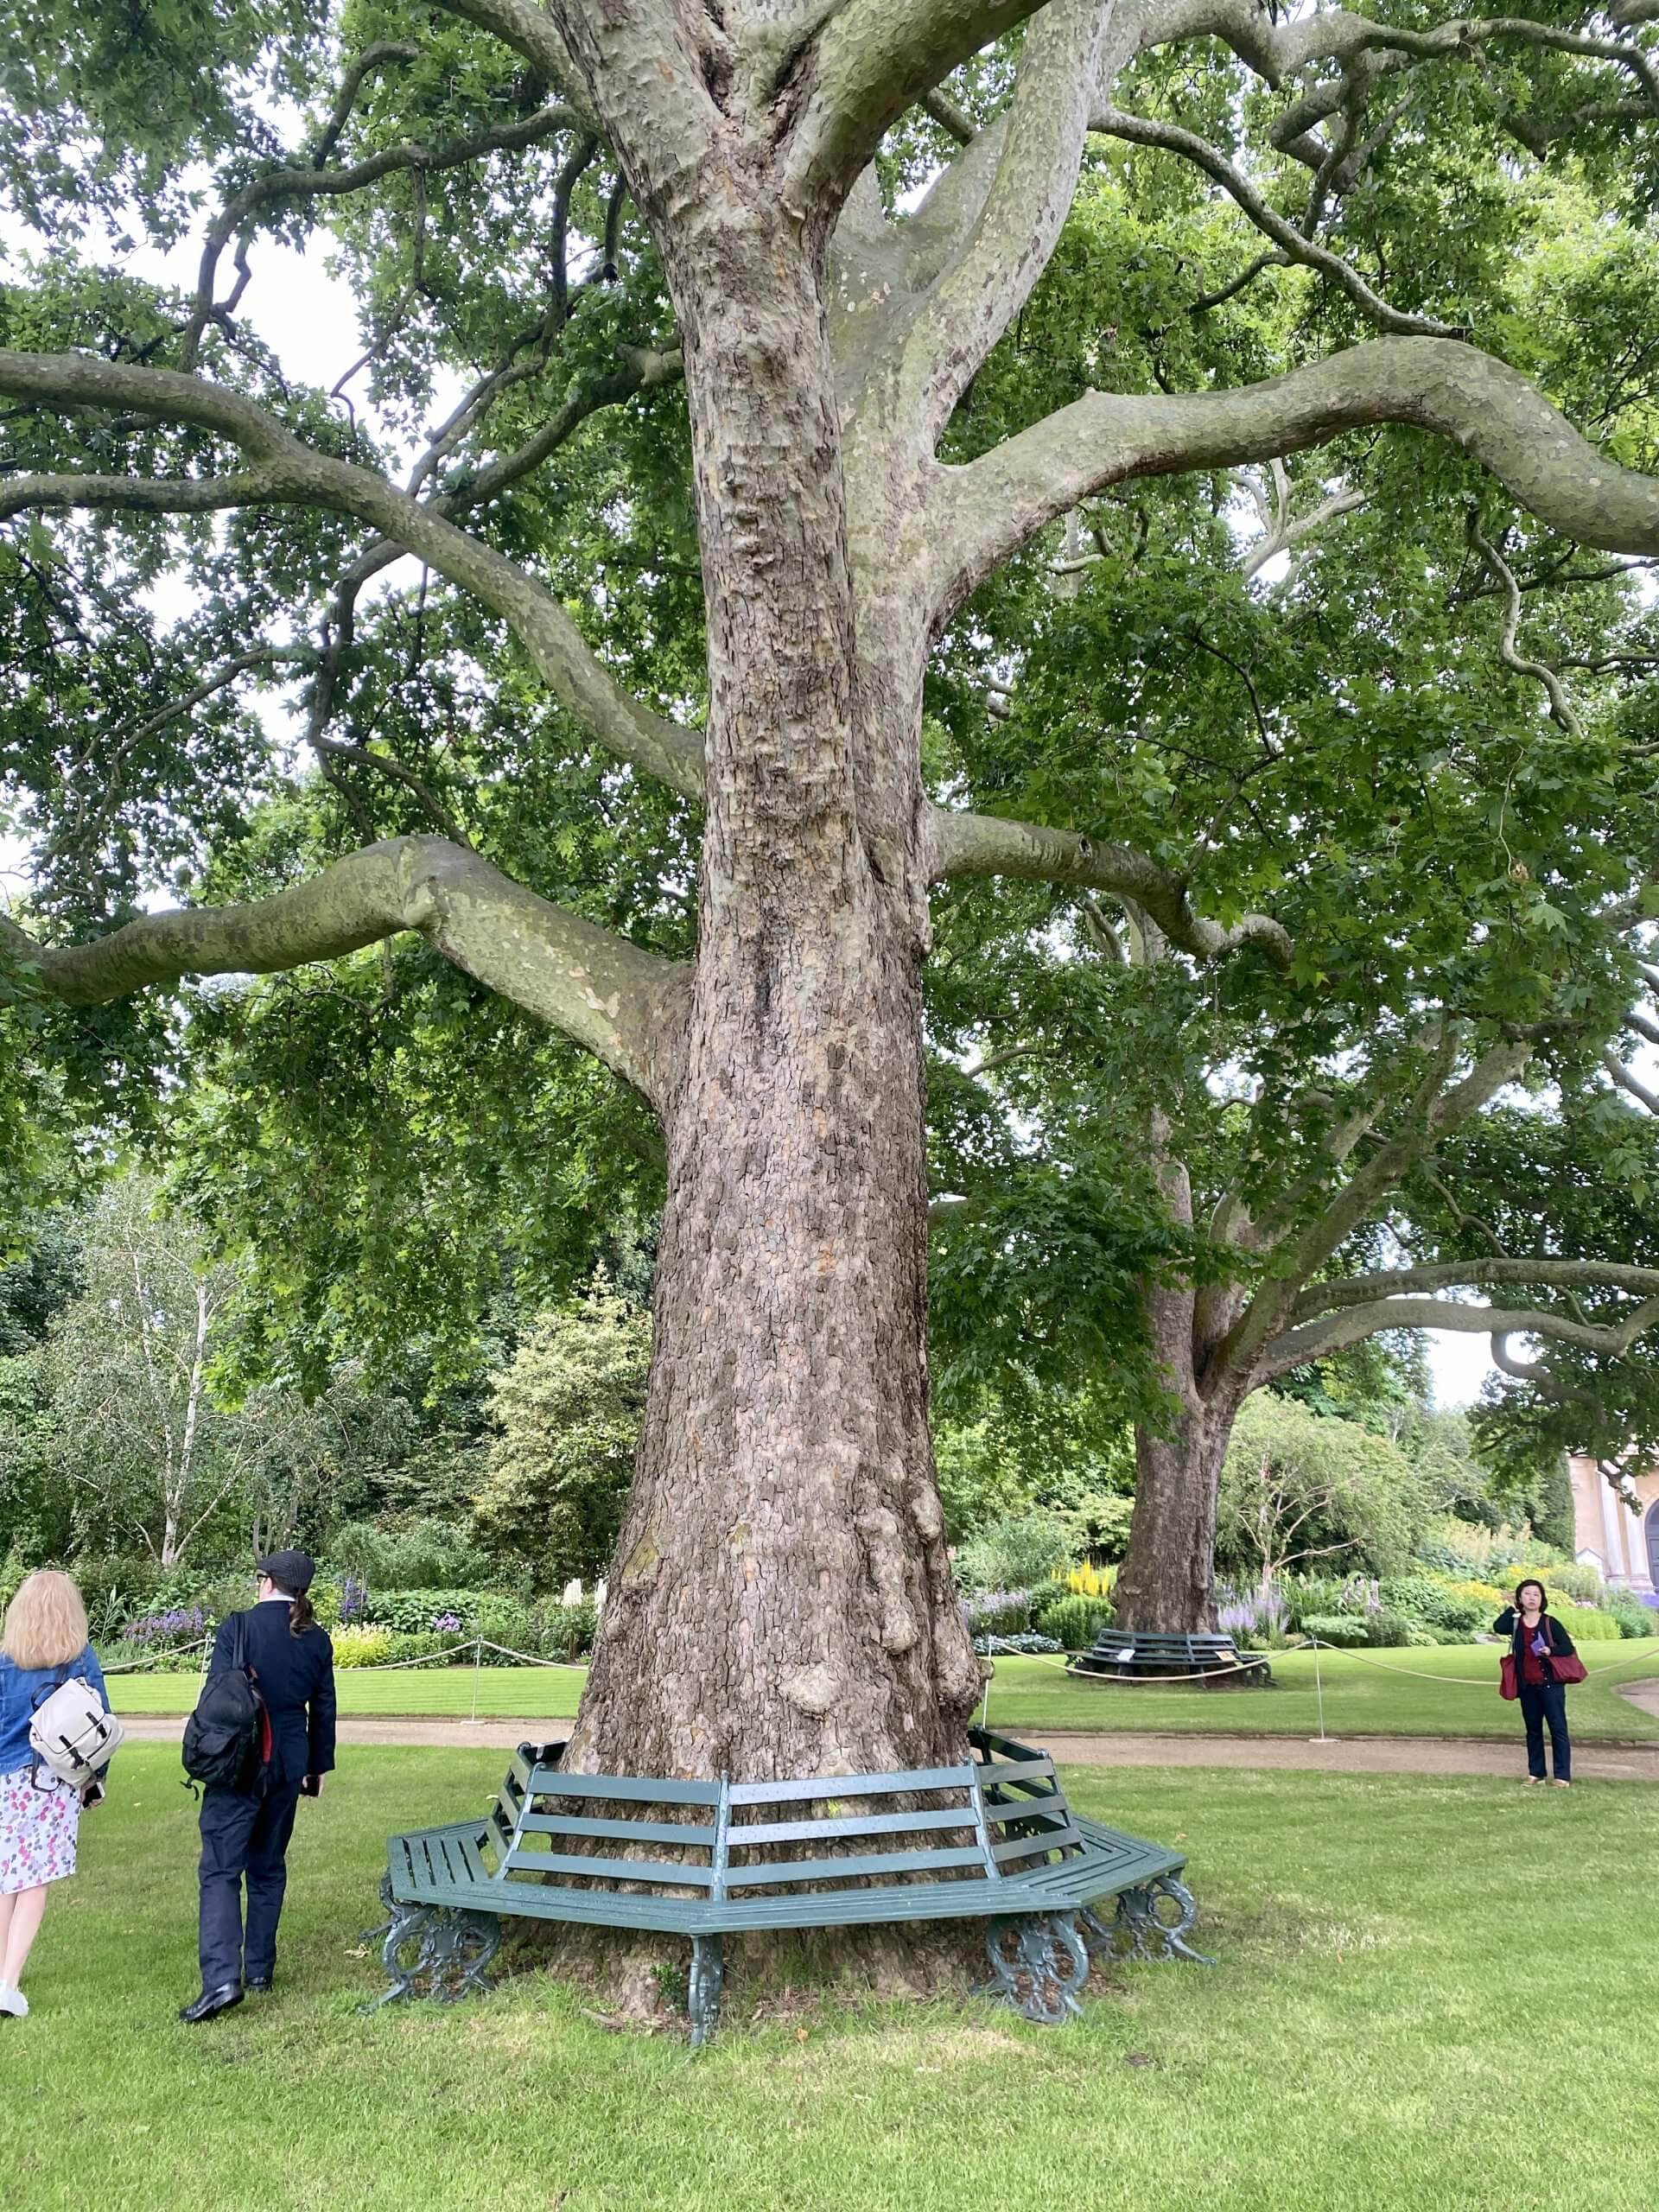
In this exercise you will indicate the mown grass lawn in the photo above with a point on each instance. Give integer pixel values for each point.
(1421, 2006)
(1378, 1693)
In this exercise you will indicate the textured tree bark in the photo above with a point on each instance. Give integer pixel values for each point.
(781, 1602)
(1167, 1581)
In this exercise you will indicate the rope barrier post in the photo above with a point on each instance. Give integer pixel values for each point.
(478, 1664)
(1318, 1693)
(985, 1709)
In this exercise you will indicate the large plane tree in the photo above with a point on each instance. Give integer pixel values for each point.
(781, 1600)
(1185, 1184)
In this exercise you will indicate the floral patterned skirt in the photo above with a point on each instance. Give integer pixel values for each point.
(37, 1831)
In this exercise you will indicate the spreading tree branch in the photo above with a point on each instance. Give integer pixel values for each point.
(1628, 1082)
(1319, 1340)
(984, 844)
(1294, 245)
(284, 469)
(623, 1004)
(296, 182)
(1469, 1275)
(1433, 1114)
(1560, 707)
(986, 511)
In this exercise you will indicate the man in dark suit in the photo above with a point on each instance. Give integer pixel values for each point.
(292, 1662)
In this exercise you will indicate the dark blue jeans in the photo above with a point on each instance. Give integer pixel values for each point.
(1541, 1702)
(243, 1836)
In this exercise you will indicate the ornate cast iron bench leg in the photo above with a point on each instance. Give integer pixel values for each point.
(703, 1987)
(452, 1949)
(1039, 1963)
(1146, 1931)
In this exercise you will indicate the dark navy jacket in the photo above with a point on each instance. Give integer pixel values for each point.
(1509, 1623)
(296, 1679)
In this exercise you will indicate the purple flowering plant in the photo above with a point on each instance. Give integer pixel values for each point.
(1246, 1613)
(182, 1622)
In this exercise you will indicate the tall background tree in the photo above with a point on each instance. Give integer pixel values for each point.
(703, 478)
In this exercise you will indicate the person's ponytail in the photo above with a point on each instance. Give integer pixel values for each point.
(302, 1615)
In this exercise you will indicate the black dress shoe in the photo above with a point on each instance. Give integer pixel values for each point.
(257, 1985)
(211, 2003)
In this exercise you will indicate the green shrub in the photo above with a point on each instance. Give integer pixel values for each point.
(1000, 1613)
(1582, 1584)
(362, 1647)
(1019, 1553)
(1586, 1625)
(117, 1589)
(1342, 1629)
(1073, 1622)
(1388, 1631)
(1634, 1617)
(567, 1631)
(1332, 1595)
(475, 1612)
(421, 1555)
(1433, 1600)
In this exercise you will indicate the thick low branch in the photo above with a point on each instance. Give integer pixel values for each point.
(1455, 1274)
(625, 1005)
(872, 58)
(531, 30)
(1319, 1340)
(985, 844)
(978, 292)
(284, 469)
(987, 511)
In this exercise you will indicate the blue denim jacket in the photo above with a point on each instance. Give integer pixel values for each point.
(19, 1688)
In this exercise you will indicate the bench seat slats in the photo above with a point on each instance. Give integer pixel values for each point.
(552, 1781)
(615, 1870)
(831, 1869)
(830, 1788)
(747, 1838)
(1008, 1854)
(614, 1830)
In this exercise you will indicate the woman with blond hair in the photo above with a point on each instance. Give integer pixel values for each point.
(43, 1645)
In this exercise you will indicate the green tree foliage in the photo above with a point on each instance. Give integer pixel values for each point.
(1297, 1489)
(118, 1430)
(567, 1408)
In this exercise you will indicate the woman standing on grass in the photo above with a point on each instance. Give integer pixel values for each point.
(43, 1645)
(1540, 1646)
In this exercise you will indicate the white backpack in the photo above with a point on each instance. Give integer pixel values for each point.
(72, 1734)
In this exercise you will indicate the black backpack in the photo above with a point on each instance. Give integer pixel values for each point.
(227, 1738)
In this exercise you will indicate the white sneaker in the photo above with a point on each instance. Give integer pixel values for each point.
(14, 2001)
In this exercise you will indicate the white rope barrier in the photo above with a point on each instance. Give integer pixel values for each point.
(154, 1659)
(1312, 1643)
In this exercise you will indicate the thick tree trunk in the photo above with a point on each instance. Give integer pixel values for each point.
(781, 1602)
(1167, 1581)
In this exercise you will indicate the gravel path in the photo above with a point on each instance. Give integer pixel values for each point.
(1355, 1755)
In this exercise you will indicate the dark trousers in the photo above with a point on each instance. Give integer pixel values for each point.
(1541, 1702)
(243, 1836)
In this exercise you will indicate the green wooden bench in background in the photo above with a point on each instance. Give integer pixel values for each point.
(1122, 1655)
(992, 1839)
